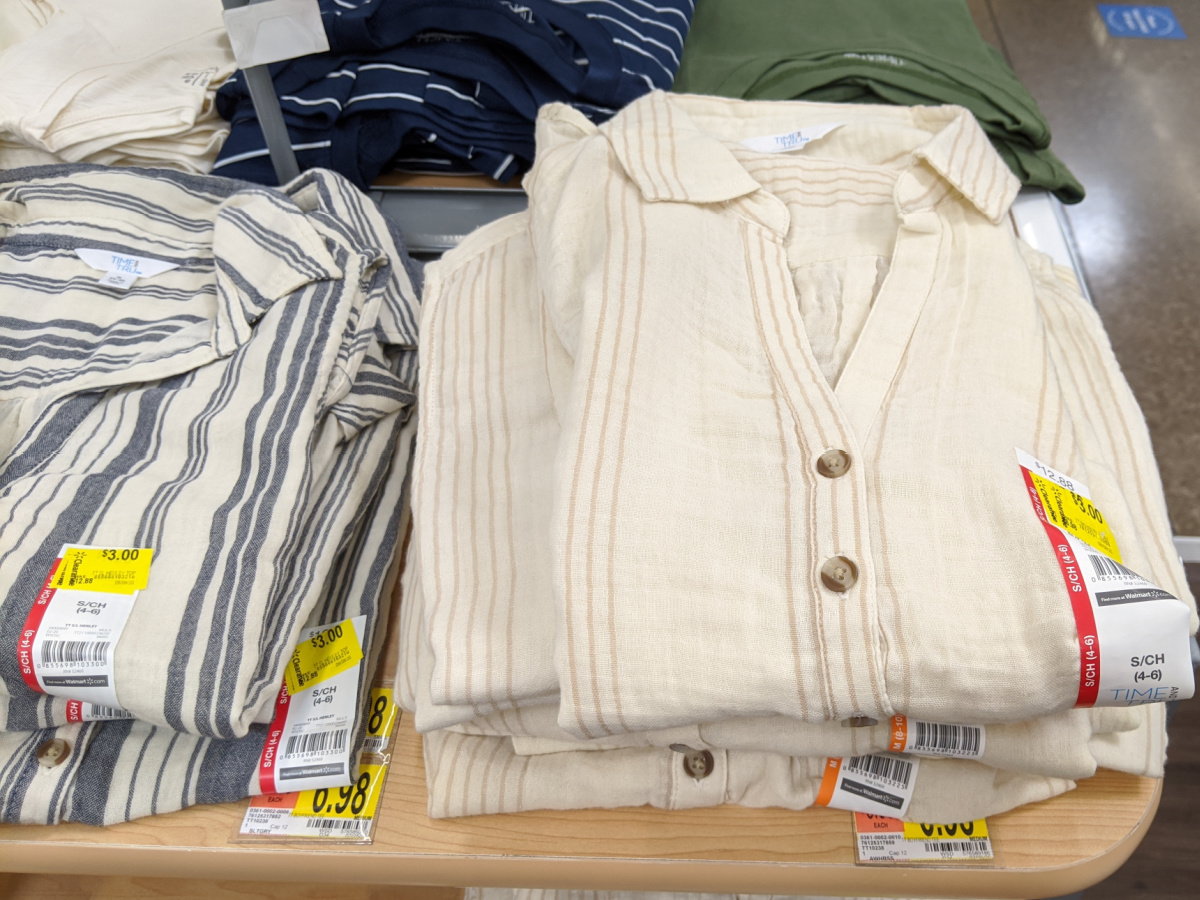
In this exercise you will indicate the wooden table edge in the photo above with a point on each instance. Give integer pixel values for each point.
(262, 862)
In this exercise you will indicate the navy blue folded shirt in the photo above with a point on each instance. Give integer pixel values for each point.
(453, 85)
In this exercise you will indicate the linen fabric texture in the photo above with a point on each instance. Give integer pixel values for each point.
(921, 53)
(474, 768)
(674, 332)
(236, 414)
(116, 82)
(455, 85)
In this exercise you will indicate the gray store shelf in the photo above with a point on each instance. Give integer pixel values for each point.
(435, 219)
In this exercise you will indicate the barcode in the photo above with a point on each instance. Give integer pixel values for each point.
(110, 712)
(337, 824)
(978, 845)
(888, 768)
(317, 742)
(952, 739)
(63, 652)
(1105, 566)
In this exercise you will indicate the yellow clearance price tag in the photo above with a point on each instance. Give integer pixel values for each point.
(108, 570)
(1077, 515)
(916, 831)
(332, 650)
(381, 719)
(355, 801)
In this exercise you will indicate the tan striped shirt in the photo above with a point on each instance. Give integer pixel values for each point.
(627, 389)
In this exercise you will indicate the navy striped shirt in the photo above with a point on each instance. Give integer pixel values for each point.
(454, 84)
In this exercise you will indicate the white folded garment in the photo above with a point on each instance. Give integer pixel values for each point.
(128, 82)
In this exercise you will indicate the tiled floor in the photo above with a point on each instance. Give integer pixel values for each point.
(1125, 114)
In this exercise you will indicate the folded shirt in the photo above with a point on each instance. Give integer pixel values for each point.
(922, 53)
(470, 775)
(129, 82)
(116, 771)
(679, 333)
(1056, 746)
(456, 83)
(214, 413)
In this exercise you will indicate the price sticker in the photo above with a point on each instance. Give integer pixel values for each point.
(329, 652)
(103, 570)
(887, 839)
(345, 813)
(1071, 511)
(382, 713)
(75, 623)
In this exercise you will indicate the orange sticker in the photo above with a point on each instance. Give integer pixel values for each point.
(829, 781)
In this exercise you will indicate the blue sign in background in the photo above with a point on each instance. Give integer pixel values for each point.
(1157, 22)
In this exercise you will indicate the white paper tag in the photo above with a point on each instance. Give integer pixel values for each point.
(66, 648)
(937, 739)
(122, 271)
(308, 745)
(275, 30)
(1133, 636)
(91, 712)
(886, 839)
(792, 140)
(881, 784)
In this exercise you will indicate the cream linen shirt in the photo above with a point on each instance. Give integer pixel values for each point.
(1063, 745)
(473, 770)
(626, 391)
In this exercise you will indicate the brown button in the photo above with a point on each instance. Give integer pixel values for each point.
(859, 722)
(697, 763)
(53, 752)
(833, 463)
(839, 574)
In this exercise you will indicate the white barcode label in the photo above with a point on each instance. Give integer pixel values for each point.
(1133, 635)
(62, 654)
(279, 823)
(308, 744)
(66, 648)
(315, 743)
(887, 839)
(92, 712)
(937, 739)
(891, 770)
(949, 848)
(881, 783)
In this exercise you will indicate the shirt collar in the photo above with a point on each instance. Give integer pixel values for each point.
(264, 249)
(669, 157)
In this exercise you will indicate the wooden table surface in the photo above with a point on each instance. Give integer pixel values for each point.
(1042, 850)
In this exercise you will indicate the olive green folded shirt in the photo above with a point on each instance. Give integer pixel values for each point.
(916, 53)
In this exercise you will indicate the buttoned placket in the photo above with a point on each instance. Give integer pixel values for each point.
(843, 585)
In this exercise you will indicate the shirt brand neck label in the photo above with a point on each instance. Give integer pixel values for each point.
(1133, 636)
(67, 645)
(792, 140)
(881, 784)
(121, 271)
(308, 743)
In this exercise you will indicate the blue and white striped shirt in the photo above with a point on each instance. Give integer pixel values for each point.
(460, 81)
